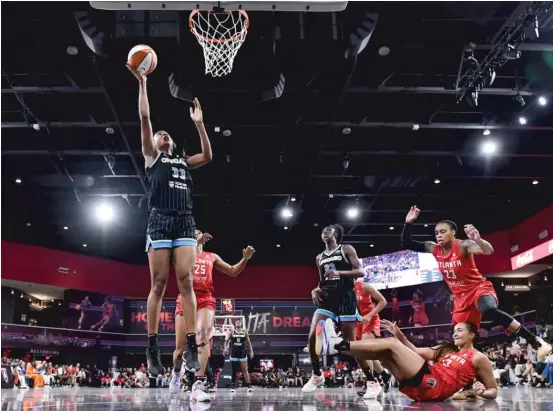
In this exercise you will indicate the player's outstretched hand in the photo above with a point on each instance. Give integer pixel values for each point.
(248, 252)
(196, 113)
(472, 232)
(138, 74)
(205, 238)
(391, 327)
(412, 214)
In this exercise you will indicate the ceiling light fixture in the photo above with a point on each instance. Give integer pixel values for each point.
(293, 199)
(391, 228)
(287, 213)
(352, 212)
(65, 227)
(18, 181)
(372, 245)
(437, 181)
(286, 228)
(486, 132)
(104, 213)
(278, 245)
(535, 182)
(542, 101)
(522, 120)
(489, 147)
(84, 245)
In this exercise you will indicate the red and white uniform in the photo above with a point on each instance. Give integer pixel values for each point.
(108, 311)
(453, 372)
(365, 303)
(395, 304)
(465, 281)
(203, 283)
(419, 313)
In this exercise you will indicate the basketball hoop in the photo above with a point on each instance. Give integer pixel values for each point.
(221, 35)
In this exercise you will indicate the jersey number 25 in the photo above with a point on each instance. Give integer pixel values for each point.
(199, 269)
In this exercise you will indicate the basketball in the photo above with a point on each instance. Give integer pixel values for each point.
(142, 58)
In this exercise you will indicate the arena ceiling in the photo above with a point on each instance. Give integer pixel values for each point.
(406, 130)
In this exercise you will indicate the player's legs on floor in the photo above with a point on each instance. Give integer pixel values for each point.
(205, 318)
(235, 368)
(246, 374)
(185, 257)
(402, 362)
(159, 273)
(487, 305)
(180, 342)
(317, 378)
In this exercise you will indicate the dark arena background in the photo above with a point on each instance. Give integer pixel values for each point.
(334, 113)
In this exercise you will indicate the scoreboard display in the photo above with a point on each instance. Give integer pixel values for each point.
(227, 305)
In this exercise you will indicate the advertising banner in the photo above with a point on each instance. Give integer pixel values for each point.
(534, 254)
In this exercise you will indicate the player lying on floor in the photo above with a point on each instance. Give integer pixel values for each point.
(453, 366)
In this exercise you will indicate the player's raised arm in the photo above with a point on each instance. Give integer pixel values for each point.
(148, 147)
(234, 270)
(407, 243)
(200, 159)
(476, 244)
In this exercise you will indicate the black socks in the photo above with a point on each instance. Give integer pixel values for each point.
(152, 340)
(342, 346)
(528, 336)
(316, 367)
(191, 341)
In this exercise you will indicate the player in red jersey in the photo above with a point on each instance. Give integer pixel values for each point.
(419, 317)
(369, 328)
(454, 365)
(109, 309)
(474, 295)
(395, 307)
(203, 288)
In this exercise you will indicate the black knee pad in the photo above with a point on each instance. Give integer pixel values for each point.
(487, 305)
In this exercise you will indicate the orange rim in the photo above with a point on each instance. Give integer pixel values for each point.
(212, 40)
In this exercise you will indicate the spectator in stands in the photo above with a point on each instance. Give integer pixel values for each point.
(299, 375)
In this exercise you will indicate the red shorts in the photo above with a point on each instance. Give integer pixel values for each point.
(465, 308)
(201, 302)
(420, 319)
(372, 326)
(432, 388)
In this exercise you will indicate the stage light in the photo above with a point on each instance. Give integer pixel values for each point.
(486, 132)
(522, 120)
(18, 180)
(535, 182)
(104, 213)
(391, 228)
(278, 245)
(489, 147)
(287, 213)
(352, 213)
(28, 224)
(426, 225)
(13, 291)
(286, 228)
(542, 101)
(502, 284)
(437, 181)
(84, 245)
(293, 199)
(372, 245)
(65, 227)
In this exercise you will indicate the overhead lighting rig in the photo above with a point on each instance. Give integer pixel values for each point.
(505, 48)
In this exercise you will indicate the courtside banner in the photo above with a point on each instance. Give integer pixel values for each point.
(534, 254)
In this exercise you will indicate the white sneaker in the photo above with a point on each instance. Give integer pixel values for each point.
(233, 390)
(544, 350)
(373, 390)
(250, 389)
(199, 392)
(174, 384)
(326, 338)
(314, 382)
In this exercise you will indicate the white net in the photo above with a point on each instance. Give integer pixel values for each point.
(225, 324)
(221, 35)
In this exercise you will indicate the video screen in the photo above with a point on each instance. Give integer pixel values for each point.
(94, 311)
(400, 269)
(267, 364)
(304, 359)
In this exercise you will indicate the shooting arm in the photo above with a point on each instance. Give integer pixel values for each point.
(148, 148)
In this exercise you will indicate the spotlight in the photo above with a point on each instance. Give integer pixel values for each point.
(372, 245)
(486, 132)
(286, 228)
(36, 127)
(531, 28)
(535, 182)
(227, 133)
(502, 284)
(65, 227)
(84, 245)
(346, 131)
(544, 278)
(383, 51)
(217, 129)
(520, 100)
(391, 228)
(489, 147)
(21, 296)
(104, 213)
(353, 212)
(72, 50)
(110, 130)
(293, 199)
(14, 292)
(28, 224)
(286, 213)
(510, 53)
(437, 181)
(542, 101)
(522, 120)
(426, 225)
(278, 245)
(18, 180)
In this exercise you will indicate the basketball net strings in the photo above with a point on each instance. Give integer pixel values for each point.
(229, 33)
